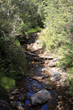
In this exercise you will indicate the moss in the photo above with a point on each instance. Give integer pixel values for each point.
(7, 83)
(33, 30)
(17, 42)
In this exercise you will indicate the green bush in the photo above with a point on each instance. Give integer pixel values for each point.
(57, 37)
(12, 57)
(33, 30)
(70, 79)
(7, 83)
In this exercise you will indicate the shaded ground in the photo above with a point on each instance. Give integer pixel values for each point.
(4, 100)
(38, 61)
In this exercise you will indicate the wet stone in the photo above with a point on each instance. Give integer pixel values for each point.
(40, 97)
(39, 78)
(55, 78)
(20, 108)
(12, 97)
(14, 92)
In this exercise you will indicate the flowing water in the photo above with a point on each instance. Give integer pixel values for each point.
(33, 87)
(37, 66)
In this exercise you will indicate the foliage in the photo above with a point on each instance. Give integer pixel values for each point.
(12, 57)
(7, 83)
(57, 37)
(58, 20)
(18, 16)
(33, 30)
(70, 79)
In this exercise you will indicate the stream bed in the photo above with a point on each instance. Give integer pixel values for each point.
(27, 86)
(35, 86)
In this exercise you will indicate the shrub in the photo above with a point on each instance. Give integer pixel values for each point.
(7, 83)
(33, 30)
(12, 57)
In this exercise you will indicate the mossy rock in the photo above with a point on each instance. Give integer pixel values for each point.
(8, 83)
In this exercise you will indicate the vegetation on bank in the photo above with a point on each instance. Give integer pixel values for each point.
(57, 37)
(7, 83)
(12, 60)
(17, 19)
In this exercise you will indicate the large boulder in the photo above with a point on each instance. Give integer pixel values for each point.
(40, 97)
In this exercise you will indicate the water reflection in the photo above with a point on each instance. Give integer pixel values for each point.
(44, 107)
(27, 102)
(34, 86)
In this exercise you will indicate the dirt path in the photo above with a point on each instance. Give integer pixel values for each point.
(38, 77)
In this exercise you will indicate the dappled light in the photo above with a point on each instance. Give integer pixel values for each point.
(36, 55)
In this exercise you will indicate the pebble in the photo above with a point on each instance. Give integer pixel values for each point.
(15, 92)
(60, 97)
(29, 105)
(20, 108)
(12, 97)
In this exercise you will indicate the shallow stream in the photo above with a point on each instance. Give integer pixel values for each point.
(35, 86)
(37, 66)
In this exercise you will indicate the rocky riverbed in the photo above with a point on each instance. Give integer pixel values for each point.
(42, 77)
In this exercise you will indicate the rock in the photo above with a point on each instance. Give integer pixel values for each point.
(56, 76)
(65, 84)
(54, 73)
(46, 76)
(46, 57)
(63, 79)
(21, 97)
(53, 79)
(40, 97)
(19, 103)
(52, 64)
(20, 108)
(50, 58)
(37, 42)
(54, 60)
(12, 97)
(14, 92)
(38, 78)
(13, 103)
(60, 97)
(16, 104)
(44, 69)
